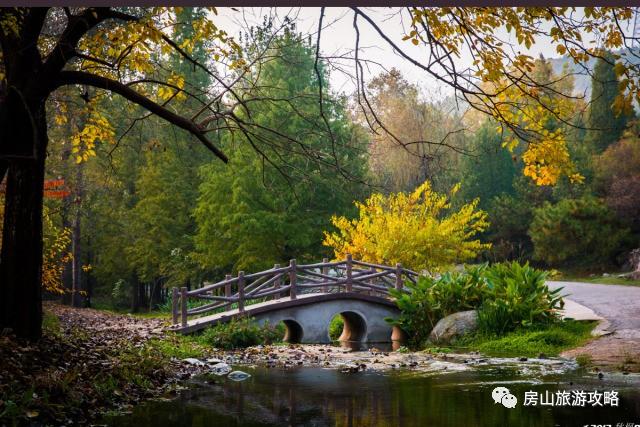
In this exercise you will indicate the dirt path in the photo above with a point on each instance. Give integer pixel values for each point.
(620, 306)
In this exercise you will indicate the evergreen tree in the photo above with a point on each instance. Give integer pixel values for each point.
(255, 212)
(490, 171)
(605, 126)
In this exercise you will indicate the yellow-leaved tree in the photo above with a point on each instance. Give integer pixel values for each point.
(55, 256)
(420, 229)
(501, 80)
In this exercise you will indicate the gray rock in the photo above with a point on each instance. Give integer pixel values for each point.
(238, 376)
(221, 369)
(192, 361)
(454, 326)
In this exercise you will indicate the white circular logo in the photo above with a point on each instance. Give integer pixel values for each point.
(503, 396)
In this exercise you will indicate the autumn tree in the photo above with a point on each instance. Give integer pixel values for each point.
(500, 82)
(617, 177)
(414, 140)
(420, 229)
(120, 51)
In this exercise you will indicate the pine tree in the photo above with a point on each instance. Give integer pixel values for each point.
(604, 125)
(255, 212)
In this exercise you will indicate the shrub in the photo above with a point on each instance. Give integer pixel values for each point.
(421, 230)
(431, 299)
(240, 333)
(507, 297)
(516, 296)
(578, 231)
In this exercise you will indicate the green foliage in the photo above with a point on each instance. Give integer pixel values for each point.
(507, 297)
(549, 340)
(584, 360)
(258, 211)
(576, 231)
(431, 299)
(335, 327)
(50, 324)
(604, 126)
(178, 346)
(240, 333)
(491, 170)
(167, 190)
(516, 296)
(510, 217)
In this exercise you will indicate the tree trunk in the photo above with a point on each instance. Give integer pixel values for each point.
(21, 259)
(76, 243)
(65, 213)
(135, 295)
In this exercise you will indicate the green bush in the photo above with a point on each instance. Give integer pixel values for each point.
(576, 231)
(516, 296)
(335, 328)
(431, 299)
(507, 297)
(240, 333)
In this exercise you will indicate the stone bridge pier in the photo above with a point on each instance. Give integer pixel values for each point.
(307, 318)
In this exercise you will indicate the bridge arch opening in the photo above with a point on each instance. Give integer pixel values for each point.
(293, 331)
(348, 326)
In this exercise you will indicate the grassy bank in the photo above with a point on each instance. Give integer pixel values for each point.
(548, 341)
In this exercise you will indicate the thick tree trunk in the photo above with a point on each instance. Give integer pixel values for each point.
(21, 259)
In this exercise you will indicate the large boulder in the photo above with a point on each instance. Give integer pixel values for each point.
(453, 326)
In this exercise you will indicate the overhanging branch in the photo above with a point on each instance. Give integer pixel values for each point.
(83, 78)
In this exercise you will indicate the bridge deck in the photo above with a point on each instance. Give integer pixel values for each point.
(199, 323)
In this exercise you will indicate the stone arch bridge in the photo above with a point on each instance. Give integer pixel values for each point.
(304, 297)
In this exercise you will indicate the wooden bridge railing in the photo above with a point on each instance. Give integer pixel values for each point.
(278, 282)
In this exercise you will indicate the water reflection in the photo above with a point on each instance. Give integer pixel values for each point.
(319, 397)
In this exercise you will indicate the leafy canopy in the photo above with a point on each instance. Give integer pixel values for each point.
(500, 81)
(580, 231)
(267, 208)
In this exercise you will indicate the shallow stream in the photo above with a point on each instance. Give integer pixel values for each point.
(327, 397)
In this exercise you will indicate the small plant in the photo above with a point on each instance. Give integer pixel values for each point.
(240, 333)
(51, 324)
(438, 350)
(517, 296)
(584, 360)
(335, 328)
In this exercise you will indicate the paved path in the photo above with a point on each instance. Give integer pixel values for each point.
(620, 306)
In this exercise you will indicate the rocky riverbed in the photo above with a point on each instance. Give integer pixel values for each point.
(373, 359)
